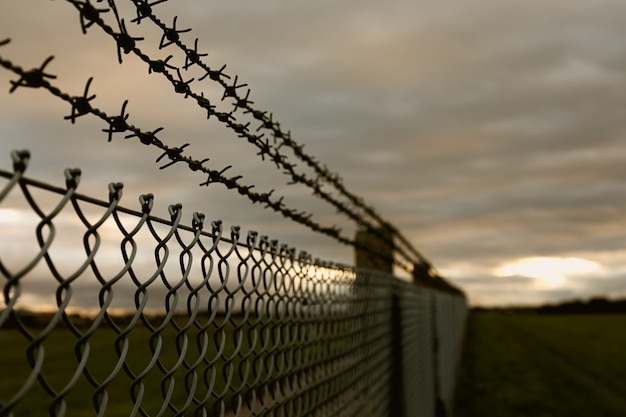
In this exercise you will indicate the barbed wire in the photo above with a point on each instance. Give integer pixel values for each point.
(171, 36)
(127, 44)
(81, 105)
(144, 9)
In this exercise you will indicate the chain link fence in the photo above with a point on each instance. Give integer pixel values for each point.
(130, 314)
(111, 311)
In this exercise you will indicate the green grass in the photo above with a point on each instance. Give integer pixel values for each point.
(518, 365)
(60, 364)
(244, 354)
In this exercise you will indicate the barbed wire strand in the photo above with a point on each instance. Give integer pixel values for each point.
(144, 10)
(127, 44)
(37, 78)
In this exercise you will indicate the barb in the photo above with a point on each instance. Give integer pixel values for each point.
(171, 35)
(125, 42)
(34, 78)
(175, 155)
(117, 124)
(88, 13)
(160, 65)
(144, 9)
(80, 105)
(192, 56)
(180, 86)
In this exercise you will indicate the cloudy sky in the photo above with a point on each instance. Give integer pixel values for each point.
(491, 133)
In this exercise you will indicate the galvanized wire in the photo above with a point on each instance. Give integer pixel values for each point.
(354, 208)
(81, 106)
(213, 324)
(208, 323)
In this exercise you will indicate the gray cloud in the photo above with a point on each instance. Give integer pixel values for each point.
(485, 131)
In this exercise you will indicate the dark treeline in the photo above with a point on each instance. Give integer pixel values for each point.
(596, 305)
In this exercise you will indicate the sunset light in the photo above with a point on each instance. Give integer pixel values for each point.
(9, 215)
(553, 271)
(407, 208)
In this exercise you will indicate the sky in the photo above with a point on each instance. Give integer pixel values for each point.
(490, 133)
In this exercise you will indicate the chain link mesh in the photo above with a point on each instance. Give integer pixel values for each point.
(156, 318)
(112, 311)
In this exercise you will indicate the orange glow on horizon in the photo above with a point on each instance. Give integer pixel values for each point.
(553, 271)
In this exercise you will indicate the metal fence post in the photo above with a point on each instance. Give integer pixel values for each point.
(379, 253)
(375, 251)
(397, 389)
(440, 406)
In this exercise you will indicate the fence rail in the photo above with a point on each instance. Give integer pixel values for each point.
(151, 317)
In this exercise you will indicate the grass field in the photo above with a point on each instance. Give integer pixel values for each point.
(542, 365)
(60, 364)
